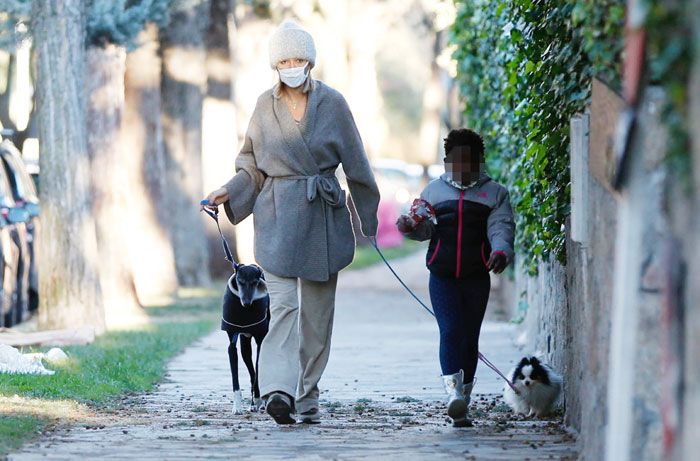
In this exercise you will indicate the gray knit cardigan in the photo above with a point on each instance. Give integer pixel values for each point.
(285, 177)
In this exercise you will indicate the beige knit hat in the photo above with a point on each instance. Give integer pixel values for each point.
(290, 41)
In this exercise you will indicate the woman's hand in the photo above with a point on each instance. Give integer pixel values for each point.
(216, 198)
(497, 262)
(405, 224)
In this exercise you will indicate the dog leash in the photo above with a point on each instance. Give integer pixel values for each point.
(214, 214)
(482, 357)
(229, 257)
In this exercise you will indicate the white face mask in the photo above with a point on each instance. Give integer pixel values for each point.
(294, 76)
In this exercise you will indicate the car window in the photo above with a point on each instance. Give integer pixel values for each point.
(22, 184)
(6, 199)
(11, 176)
(27, 181)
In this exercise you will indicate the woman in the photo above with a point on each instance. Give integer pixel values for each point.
(468, 218)
(299, 133)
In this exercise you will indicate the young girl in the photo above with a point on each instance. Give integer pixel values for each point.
(468, 218)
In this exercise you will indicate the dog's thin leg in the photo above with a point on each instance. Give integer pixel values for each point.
(247, 355)
(233, 362)
(258, 342)
(256, 386)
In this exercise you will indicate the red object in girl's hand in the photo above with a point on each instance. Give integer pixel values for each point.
(422, 210)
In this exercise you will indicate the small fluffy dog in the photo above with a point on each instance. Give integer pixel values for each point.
(538, 385)
(246, 316)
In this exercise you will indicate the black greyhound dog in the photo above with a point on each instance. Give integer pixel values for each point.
(246, 315)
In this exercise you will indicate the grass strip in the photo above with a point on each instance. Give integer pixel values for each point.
(117, 363)
(15, 429)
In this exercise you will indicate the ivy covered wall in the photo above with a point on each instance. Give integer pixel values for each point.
(524, 68)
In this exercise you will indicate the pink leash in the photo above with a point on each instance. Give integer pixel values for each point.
(482, 357)
(488, 363)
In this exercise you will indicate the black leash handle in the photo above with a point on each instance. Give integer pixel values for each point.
(214, 214)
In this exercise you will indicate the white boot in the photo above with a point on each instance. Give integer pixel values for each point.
(467, 392)
(456, 402)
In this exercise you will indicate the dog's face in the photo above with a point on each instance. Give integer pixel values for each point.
(251, 283)
(529, 373)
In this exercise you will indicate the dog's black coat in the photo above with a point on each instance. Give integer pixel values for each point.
(246, 315)
(237, 318)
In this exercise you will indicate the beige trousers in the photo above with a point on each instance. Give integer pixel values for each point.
(295, 351)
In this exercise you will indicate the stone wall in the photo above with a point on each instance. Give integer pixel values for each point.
(545, 323)
(590, 289)
(605, 320)
(568, 307)
(688, 233)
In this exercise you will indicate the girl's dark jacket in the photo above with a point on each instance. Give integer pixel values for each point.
(471, 224)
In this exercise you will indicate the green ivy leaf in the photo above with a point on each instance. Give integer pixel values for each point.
(523, 87)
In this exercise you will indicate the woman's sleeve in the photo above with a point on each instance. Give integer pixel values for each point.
(244, 187)
(363, 187)
(501, 226)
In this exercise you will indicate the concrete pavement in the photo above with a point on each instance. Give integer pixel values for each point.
(381, 397)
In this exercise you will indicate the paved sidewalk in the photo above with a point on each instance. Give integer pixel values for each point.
(381, 397)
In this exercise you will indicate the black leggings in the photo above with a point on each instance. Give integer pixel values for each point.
(459, 306)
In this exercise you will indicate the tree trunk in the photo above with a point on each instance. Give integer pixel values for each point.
(104, 85)
(249, 57)
(335, 35)
(10, 78)
(220, 143)
(152, 256)
(364, 97)
(183, 85)
(69, 284)
(433, 103)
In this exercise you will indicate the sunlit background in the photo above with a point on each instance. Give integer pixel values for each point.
(388, 58)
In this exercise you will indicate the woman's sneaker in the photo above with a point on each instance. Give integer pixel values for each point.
(279, 406)
(312, 416)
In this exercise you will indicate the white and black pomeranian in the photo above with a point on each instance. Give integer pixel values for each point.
(538, 386)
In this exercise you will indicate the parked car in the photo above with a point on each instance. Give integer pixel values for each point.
(14, 264)
(25, 196)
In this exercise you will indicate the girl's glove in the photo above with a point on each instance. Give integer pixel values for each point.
(421, 210)
(405, 224)
(497, 262)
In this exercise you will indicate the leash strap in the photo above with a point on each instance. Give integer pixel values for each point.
(373, 240)
(215, 216)
(488, 363)
(482, 357)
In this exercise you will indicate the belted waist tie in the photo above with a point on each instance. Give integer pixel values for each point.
(324, 185)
